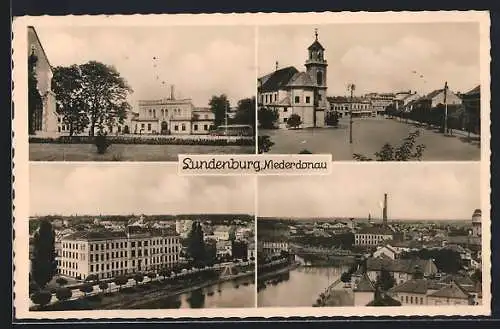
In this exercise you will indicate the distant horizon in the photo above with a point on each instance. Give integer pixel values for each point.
(332, 218)
(138, 214)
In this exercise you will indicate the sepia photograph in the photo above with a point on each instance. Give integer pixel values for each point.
(391, 239)
(363, 92)
(107, 237)
(132, 93)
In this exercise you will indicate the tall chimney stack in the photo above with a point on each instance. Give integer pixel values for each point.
(172, 92)
(384, 213)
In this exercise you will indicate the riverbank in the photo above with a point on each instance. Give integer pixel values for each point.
(277, 272)
(155, 296)
(136, 296)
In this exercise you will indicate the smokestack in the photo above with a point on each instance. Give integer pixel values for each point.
(384, 213)
(172, 92)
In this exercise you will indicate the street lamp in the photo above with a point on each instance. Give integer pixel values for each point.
(351, 87)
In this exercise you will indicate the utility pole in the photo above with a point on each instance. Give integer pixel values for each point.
(445, 108)
(351, 88)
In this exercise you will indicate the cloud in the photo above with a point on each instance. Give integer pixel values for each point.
(199, 61)
(146, 188)
(417, 191)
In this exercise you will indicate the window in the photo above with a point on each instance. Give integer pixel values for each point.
(139, 243)
(133, 253)
(91, 268)
(297, 99)
(149, 127)
(145, 243)
(133, 244)
(107, 256)
(319, 78)
(102, 246)
(285, 109)
(142, 125)
(102, 257)
(275, 97)
(285, 120)
(176, 127)
(102, 267)
(406, 298)
(195, 127)
(183, 127)
(205, 127)
(319, 97)
(308, 99)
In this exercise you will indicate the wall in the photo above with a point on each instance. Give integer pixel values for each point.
(446, 301)
(451, 99)
(410, 298)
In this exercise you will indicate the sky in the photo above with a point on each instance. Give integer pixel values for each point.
(200, 61)
(93, 189)
(415, 191)
(380, 57)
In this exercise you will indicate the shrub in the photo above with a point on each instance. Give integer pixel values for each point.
(102, 143)
(91, 277)
(151, 275)
(304, 151)
(41, 297)
(63, 294)
(120, 281)
(103, 286)
(86, 288)
(139, 277)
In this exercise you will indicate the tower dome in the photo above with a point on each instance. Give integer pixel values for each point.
(476, 216)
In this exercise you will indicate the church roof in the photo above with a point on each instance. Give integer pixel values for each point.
(277, 79)
(301, 79)
(316, 45)
(365, 284)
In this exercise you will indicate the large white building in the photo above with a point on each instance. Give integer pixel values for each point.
(373, 236)
(109, 254)
(289, 91)
(171, 116)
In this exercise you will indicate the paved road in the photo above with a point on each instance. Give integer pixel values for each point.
(369, 135)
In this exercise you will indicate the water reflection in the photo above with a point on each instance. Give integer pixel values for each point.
(231, 294)
(299, 287)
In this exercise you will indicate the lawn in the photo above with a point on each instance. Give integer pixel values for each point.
(126, 152)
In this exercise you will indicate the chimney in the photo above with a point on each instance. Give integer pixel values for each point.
(172, 92)
(384, 213)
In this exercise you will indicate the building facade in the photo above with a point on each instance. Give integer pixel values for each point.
(109, 254)
(476, 223)
(45, 119)
(171, 117)
(288, 91)
(357, 106)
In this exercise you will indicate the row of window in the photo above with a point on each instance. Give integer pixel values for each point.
(176, 127)
(124, 244)
(412, 300)
(163, 112)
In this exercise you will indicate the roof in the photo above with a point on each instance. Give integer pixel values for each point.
(301, 79)
(278, 79)
(377, 230)
(452, 290)
(95, 235)
(32, 28)
(474, 91)
(365, 284)
(315, 46)
(415, 286)
(397, 265)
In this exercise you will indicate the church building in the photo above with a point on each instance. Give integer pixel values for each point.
(289, 91)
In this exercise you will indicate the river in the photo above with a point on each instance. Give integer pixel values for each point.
(229, 294)
(299, 287)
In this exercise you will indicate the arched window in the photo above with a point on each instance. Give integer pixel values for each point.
(319, 78)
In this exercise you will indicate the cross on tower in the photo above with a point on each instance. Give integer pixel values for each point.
(316, 33)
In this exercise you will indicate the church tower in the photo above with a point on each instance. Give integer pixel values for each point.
(316, 69)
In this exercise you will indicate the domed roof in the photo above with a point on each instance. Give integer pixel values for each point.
(476, 216)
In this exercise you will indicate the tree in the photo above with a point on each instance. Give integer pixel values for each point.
(105, 93)
(294, 121)
(219, 105)
(61, 281)
(63, 294)
(385, 280)
(44, 261)
(103, 286)
(245, 114)
(152, 275)
(332, 119)
(34, 97)
(477, 276)
(345, 277)
(41, 297)
(305, 151)
(196, 244)
(267, 118)
(120, 281)
(407, 151)
(34, 287)
(86, 288)
(67, 85)
(265, 144)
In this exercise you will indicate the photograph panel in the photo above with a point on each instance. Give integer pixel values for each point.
(389, 238)
(139, 93)
(138, 237)
(368, 91)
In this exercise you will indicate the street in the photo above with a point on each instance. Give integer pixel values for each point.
(369, 135)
